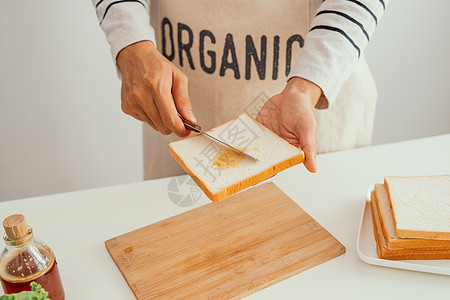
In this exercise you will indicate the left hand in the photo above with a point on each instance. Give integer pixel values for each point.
(290, 114)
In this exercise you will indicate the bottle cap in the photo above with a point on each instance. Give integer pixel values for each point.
(15, 227)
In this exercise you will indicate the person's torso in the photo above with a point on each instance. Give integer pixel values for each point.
(236, 54)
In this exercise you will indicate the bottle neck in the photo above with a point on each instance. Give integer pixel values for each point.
(21, 242)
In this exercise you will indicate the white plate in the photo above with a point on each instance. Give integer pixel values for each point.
(367, 251)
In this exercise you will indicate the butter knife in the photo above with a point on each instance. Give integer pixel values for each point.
(197, 128)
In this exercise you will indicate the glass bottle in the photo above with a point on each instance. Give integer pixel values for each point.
(26, 259)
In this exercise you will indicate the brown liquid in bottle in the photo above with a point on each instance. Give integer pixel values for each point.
(26, 259)
(50, 280)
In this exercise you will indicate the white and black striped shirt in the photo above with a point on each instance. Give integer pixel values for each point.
(338, 34)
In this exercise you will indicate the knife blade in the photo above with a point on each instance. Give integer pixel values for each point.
(197, 128)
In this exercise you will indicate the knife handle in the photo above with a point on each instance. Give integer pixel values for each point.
(190, 125)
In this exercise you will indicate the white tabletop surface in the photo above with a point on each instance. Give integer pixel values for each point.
(76, 225)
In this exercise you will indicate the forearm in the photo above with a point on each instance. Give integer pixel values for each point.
(124, 23)
(338, 35)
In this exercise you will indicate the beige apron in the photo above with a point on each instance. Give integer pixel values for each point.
(237, 54)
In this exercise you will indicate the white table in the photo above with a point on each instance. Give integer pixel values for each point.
(76, 225)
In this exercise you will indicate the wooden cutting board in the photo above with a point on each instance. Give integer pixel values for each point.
(223, 250)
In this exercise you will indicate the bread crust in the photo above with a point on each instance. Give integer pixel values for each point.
(407, 233)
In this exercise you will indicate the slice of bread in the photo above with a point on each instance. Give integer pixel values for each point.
(381, 200)
(384, 252)
(420, 206)
(221, 172)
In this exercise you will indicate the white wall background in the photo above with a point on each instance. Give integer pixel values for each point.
(61, 127)
(410, 59)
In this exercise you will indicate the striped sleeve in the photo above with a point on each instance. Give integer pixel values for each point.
(124, 22)
(339, 33)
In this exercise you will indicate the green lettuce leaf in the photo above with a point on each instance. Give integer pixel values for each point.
(36, 293)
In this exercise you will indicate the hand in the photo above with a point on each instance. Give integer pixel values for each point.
(290, 114)
(153, 89)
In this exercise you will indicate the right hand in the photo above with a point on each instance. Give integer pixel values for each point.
(290, 114)
(154, 91)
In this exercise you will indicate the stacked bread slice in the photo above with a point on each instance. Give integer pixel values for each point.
(411, 217)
